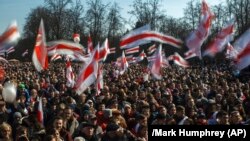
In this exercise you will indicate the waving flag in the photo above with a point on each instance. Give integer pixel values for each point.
(242, 41)
(112, 50)
(7, 51)
(55, 57)
(141, 56)
(243, 58)
(195, 40)
(156, 64)
(124, 64)
(40, 111)
(242, 45)
(10, 37)
(148, 36)
(104, 51)
(63, 47)
(132, 50)
(88, 73)
(90, 45)
(231, 53)
(69, 75)
(178, 60)
(221, 39)
(25, 53)
(40, 57)
(134, 33)
(151, 49)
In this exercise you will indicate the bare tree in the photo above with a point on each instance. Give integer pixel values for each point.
(147, 12)
(95, 19)
(115, 24)
(33, 21)
(240, 9)
(192, 13)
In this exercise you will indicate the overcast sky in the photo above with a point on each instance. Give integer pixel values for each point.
(19, 9)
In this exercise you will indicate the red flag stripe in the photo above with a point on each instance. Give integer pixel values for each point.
(144, 35)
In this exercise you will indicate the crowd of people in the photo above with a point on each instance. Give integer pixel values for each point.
(125, 107)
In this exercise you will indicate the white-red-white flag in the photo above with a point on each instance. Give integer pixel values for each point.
(40, 55)
(141, 56)
(10, 37)
(63, 47)
(70, 75)
(243, 58)
(195, 40)
(104, 51)
(157, 63)
(152, 49)
(178, 60)
(90, 45)
(55, 57)
(219, 42)
(88, 73)
(112, 50)
(148, 36)
(242, 41)
(132, 50)
(124, 64)
(39, 115)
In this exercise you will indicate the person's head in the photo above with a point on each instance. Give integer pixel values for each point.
(142, 131)
(142, 119)
(17, 116)
(68, 112)
(82, 98)
(93, 119)
(222, 118)
(87, 129)
(101, 106)
(188, 121)
(34, 93)
(180, 111)
(79, 139)
(90, 102)
(162, 110)
(22, 131)
(235, 117)
(114, 131)
(146, 111)
(172, 110)
(58, 123)
(55, 132)
(5, 130)
(50, 138)
(127, 108)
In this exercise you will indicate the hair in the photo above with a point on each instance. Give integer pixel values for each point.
(180, 108)
(5, 125)
(49, 138)
(79, 139)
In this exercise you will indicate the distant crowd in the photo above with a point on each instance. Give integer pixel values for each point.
(125, 107)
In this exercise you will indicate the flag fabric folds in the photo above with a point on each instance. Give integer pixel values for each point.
(221, 39)
(88, 73)
(196, 38)
(40, 55)
(10, 37)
